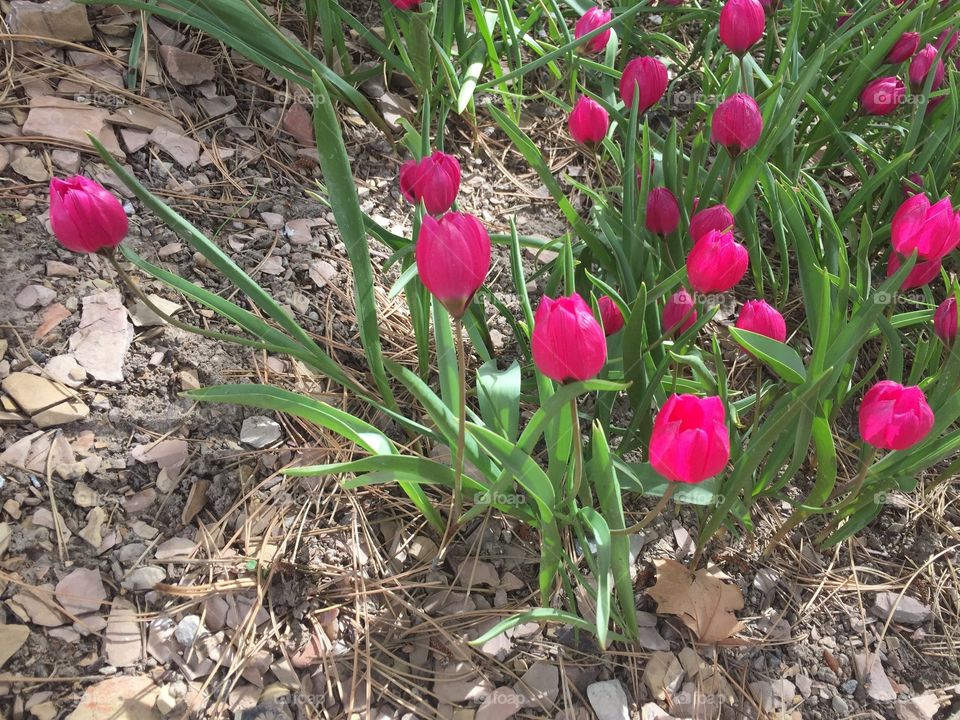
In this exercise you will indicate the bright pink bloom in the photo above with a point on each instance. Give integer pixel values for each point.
(568, 342)
(737, 123)
(650, 76)
(690, 441)
(904, 48)
(759, 317)
(453, 258)
(922, 65)
(945, 321)
(610, 316)
(894, 417)
(950, 37)
(882, 95)
(679, 313)
(715, 217)
(84, 216)
(588, 121)
(406, 4)
(932, 230)
(589, 21)
(923, 271)
(716, 263)
(663, 211)
(741, 24)
(435, 180)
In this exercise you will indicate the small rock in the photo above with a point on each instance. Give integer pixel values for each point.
(186, 68)
(273, 221)
(34, 296)
(185, 151)
(840, 706)
(922, 707)
(65, 370)
(55, 268)
(298, 122)
(907, 610)
(539, 685)
(459, 682)
(143, 316)
(608, 700)
(297, 231)
(122, 643)
(60, 19)
(663, 674)
(187, 630)
(125, 697)
(34, 394)
(143, 578)
(31, 168)
(501, 704)
(81, 591)
(259, 431)
(12, 638)
(321, 272)
(848, 687)
(69, 162)
(103, 337)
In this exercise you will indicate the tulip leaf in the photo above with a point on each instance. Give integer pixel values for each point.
(778, 356)
(642, 478)
(498, 393)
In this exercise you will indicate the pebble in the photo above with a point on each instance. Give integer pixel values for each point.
(259, 431)
(848, 687)
(840, 706)
(187, 630)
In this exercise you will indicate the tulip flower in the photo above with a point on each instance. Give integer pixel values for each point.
(882, 95)
(589, 21)
(647, 75)
(922, 65)
(904, 48)
(894, 417)
(716, 263)
(945, 321)
(671, 3)
(663, 212)
(932, 230)
(715, 217)
(610, 316)
(690, 441)
(948, 37)
(737, 123)
(741, 24)
(435, 181)
(842, 19)
(679, 313)
(588, 121)
(453, 258)
(910, 188)
(759, 317)
(568, 342)
(922, 272)
(406, 4)
(84, 216)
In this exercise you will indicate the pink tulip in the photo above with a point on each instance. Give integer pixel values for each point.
(894, 417)
(904, 48)
(882, 95)
(663, 212)
(647, 74)
(568, 342)
(716, 263)
(435, 180)
(741, 24)
(910, 189)
(671, 3)
(950, 37)
(923, 271)
(679, 313)
(922, 65)
(406, 4)
(757, 316)
(737, 123)
(589, 21)
(588, 121)
(842, 19)
(453, 258)
(84, 216)
(945, 321)
(932, 230)
(715, 217)
(610, 316)
(690, 441)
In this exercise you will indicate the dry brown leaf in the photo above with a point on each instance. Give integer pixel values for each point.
(704, 603)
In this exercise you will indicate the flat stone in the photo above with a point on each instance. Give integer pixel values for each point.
(122, 643)
(65, 370)
(176, 547)
(63, 119)
(321, 272)
(103, 337)
(125, 697)
(33, 393)
(608, 700)
(663, 674)
(12, 638)
(62, 414)
(66, 160)
(259, 431)
(34, 296)
(185, 151)
(55, 268)
(143, 578)
(298, 122)
(921, 707)
(218, 106)
(459, 682)
(501, 704)
(36, 608)
(539, 685)
(297, 231)
(4, 158)
(187, 630)
(59, 19)
(909, 610)
(143, 316)
(134, 140)
(274, 221)
(186, 68)
(81, 591)
(31, 168)
(139, 118)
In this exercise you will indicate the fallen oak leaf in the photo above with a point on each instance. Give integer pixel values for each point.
(704, 603)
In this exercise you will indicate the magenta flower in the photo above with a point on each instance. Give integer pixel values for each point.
(84, 216)
(590, 21)
(568, 342)
(588, 121)
(690, 441)
(894, 417)
(453, 258)
(435, 181)
(737, 123)
(648, 76)
(932, 230)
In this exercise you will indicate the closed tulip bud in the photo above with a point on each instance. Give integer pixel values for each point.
(568, 342)
(922, 65)
(671, 3)
(912, 185)
(610, 316)
(588, 121)
(690, 441)
(933, 104)
(741, 24)
(882, 96)
(679, 313)
(842, 20)
(435, 181)
(922, 272)
(84, 216)
(948, 37)
(715, 217)
(663, 211)
(737, 123)
(931, 230)
(759, 317)
(904, 48)
(648, 76)
(716, 263)
(945, 321)
(406, 4)
(894, 417)
(590, 21)
(453, 258)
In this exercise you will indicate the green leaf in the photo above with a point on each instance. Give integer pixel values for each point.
(778, 356)
(498, 393)
(601, 561)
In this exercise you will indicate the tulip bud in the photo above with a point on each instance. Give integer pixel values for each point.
(588, 121)
(671, 3)
(922, 65)
(882, 95)
(84, 216)
(842, 20)
(715, 217)
(568, 342)
(610, 316)
(716, 263)
(922, 272)
(912, 187)
(663, 212)
(932, 230)
(894, 417)
(679, 313)
(945, 321)
(904, 48)
(757, 316)
(453, 258)
(589, 21)
(435, 180)
(950, 37)
(741, 24)
(737, 123)
(649, 76)
(406, 4)
(690, 441)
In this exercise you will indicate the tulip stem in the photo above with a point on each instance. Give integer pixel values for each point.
(652, 515)
(852, 492)
(756, 402)
(453, 520)
(577, 449)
